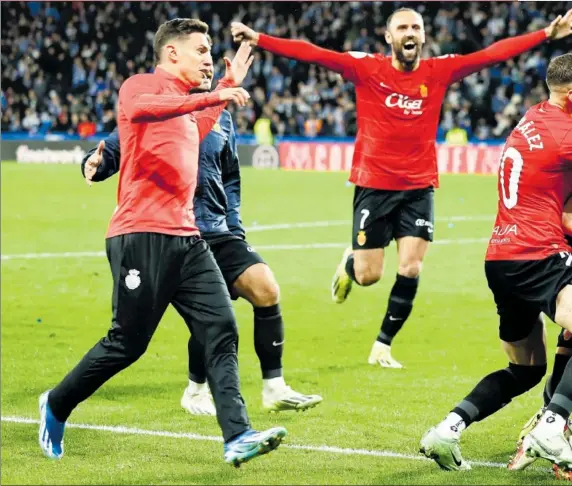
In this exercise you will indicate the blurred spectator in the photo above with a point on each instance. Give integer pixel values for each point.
(264, 128)
(85, 128)
(457, 136)
(63, 62)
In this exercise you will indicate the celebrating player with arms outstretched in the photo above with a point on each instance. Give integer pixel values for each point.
(529, 271)
(394, 165)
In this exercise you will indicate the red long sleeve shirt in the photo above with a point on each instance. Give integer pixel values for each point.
(398, 112)
(160, 130)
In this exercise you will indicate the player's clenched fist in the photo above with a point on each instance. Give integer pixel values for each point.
(241, 32)
(237, 95)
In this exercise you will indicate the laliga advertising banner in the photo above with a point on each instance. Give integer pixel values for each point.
(315, 156)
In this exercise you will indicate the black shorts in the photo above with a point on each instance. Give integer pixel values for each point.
(522, 289)
(381, 216)
(233, 256)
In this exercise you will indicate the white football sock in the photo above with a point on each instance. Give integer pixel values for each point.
(273, 383)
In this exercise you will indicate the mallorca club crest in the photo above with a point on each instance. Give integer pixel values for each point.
(361, 239)
(132, 281)
(423, 91)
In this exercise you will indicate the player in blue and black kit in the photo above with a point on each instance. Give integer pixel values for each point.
(217, 211)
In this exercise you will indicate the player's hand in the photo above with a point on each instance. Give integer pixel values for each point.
(237, 69)
(93, 162)
(237, 95)
(241, 32)
(560, 26)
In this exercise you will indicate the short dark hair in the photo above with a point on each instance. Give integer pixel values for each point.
(402, 9)
(559, 71)
(175, 28)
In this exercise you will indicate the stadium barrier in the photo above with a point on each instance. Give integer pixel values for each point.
(325, 157)
(307, 156)
(73, 151)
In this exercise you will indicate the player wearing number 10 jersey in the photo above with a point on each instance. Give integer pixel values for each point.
(529, 271)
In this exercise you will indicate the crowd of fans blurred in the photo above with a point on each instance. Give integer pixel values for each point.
(63, 62)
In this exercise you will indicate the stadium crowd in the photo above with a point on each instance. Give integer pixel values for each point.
(63, 62)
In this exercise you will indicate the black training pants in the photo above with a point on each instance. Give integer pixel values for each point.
(151, 271)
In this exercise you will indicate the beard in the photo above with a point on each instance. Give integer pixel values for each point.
(407, 58)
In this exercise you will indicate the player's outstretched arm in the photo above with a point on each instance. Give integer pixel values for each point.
(500, 51)
(300, 50)
(141, 102)
(102, 161)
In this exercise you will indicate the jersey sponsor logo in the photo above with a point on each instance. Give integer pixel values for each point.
(505, 230)
(409, 106)
(424, 223)
(132, 281)
(501, 234)
(361, 238)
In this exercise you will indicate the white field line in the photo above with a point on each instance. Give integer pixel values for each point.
(209, 438)
(324, 224)
(303, 246)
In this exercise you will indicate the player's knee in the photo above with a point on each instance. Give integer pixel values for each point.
(410, 269)
(563, 315)
(526, 377)
(367, 275)
(127, 347)
(265, 294)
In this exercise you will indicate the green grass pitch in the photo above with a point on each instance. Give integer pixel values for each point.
(54, 309)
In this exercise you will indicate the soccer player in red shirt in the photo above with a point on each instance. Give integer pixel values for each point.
(153, 245)
(529, 271)
(394, 167)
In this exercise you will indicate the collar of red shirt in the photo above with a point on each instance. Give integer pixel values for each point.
(179, 83)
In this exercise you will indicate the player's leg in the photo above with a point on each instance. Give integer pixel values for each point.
(522, 332)
(372, 231)
(548, 439)
(253, 280)
(413, 226)
(561, 358)
(197, 399)
(563, 353)
(142, 266)
(203, 301)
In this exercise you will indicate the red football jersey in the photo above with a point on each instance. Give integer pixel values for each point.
(159, 138)
(535, 179)
(398, 112)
